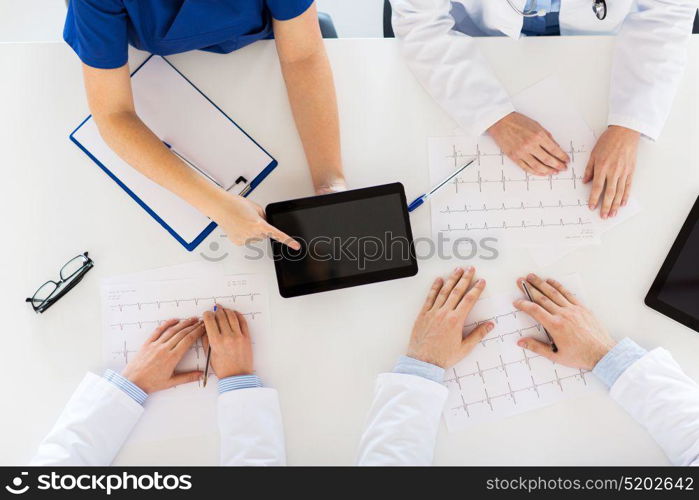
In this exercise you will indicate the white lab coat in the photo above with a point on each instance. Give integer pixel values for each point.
(649, 55)
(99, 418)
(405, 415)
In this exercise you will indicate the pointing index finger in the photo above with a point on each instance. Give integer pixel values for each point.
(274, 233)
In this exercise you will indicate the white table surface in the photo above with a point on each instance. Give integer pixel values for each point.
(323, 351)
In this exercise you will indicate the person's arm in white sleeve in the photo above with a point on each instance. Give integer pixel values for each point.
(104, 410)
(94, 424)
(650, 386)
(649, 59)
(250, 423)
(404, 418)
(654, 390)
(454, 72)
(449, 64)
(249, 415)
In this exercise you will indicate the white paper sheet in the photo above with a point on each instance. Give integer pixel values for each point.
(499, 379)
(495, 197)
(133, 307)
(545, 255)
(181, 116)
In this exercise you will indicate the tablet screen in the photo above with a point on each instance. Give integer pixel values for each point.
(675, 291)
(347, 239)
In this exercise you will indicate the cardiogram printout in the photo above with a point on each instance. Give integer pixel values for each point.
(495, 197)
(134, 306)
(499, 379)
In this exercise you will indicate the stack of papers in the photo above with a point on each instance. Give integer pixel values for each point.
(134, 305)
(494, 197)
(500, 379)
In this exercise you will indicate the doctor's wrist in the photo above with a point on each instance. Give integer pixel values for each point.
(413, 366)
(331, 185)
(626, 132)
(616, 360)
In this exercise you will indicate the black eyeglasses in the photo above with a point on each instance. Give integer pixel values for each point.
(71, 274)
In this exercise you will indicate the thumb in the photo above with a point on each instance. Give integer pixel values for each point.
(185, 378)
(537, 347)
(282, 237)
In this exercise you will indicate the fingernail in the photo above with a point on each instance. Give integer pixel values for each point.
(490, 326)
(469, 268)
(215, 307)
(480, 282)
(531, 276)
(522, 343)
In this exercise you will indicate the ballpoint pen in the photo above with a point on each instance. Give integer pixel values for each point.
(202, 172)
(422, 199)
(554, 347)
(208, 359)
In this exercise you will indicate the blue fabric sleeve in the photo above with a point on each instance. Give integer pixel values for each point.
(283, 10)
(412, 366)
(97, 30)
(134, 391)
(616, 361)
(238, 382)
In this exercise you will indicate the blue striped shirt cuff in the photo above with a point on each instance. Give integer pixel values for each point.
(134, 391)
(238, 382)
(616, 361)
(412, 366)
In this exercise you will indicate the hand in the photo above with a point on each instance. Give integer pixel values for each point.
(581, 340)
(437, 336)
(231, 347)
(612, 162)
(529, 145)
(332, 186)
(242, 220)
(153, 367)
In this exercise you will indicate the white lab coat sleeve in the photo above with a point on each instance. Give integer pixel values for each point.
(93, 426)
(250, 425)
(649, 59)
(658, 395)
(403, 422)
(449, 64)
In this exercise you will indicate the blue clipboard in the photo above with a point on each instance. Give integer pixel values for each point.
(250, 184)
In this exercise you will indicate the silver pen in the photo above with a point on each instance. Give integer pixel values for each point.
(554, 347)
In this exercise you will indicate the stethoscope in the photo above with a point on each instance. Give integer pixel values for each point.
(599, 7)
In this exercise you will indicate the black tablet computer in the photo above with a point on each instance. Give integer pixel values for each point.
(675, 291)
(347, 239)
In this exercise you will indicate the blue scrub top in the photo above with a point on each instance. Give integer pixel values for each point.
(100, 30)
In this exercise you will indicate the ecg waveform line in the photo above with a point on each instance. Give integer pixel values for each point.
(177, 302)
(457, 157)
(524, 225)
(501, 336)
(528, 180)
(158, 322)
(496, 318)
(578, 204)
(512, 393)
(124, 352)
(502, 366)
